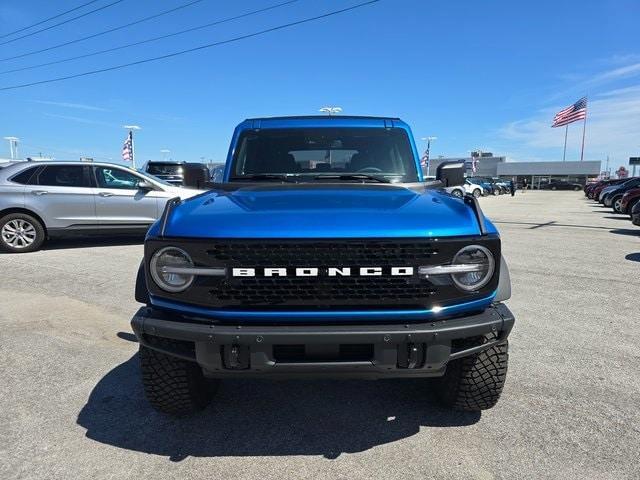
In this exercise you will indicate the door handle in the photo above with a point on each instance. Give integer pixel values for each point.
(105, 194)
(39, 192)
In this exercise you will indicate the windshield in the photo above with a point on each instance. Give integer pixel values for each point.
(309, 154)
(164, 169)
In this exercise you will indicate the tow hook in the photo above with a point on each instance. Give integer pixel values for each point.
(410, 355)
(235, 357)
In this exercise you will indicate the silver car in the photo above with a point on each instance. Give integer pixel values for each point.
(43, 200)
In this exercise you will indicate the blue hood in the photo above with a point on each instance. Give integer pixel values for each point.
(322, 211)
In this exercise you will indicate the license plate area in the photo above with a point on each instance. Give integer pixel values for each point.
(309, 353)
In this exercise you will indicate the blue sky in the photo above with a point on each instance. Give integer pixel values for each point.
(486, 75)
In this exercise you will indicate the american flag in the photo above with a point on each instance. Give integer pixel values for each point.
(424, 161)
(573, 113)
(127, 148)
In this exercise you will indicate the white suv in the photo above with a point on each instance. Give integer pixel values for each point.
(46, 199)
(467, 187)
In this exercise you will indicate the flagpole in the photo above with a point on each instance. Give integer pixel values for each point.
(566, 130)
(584, 127)
(133, 156)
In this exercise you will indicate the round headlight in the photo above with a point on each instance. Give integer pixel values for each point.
(481, 267)
(165, 269)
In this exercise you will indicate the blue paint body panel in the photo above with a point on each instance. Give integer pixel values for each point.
(322, 211)
(332, 316)
(327, 211)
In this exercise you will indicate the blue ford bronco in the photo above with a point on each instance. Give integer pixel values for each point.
(323, 253)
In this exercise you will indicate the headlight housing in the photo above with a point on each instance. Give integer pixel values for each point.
(475, 256)
(165, 268)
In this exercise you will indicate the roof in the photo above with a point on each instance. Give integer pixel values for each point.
(325, 117)
(67, 162)
(322, 121)
(17, 166)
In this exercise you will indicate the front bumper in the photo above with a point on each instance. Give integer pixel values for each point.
(361, 351)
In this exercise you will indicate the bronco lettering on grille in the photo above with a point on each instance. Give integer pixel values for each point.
(327, 271)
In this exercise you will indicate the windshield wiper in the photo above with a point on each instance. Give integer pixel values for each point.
(267, 176)
(352, 176)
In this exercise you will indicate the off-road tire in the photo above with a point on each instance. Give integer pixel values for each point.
(40, 234)
(475, 382)
(172, 385)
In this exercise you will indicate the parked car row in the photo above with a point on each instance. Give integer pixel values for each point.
(560, 185)
(491, 186)
(621, 195)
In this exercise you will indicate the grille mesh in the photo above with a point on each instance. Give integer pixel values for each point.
(323, 290)
(310, 254)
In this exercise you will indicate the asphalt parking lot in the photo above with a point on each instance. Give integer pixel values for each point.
(73, 406)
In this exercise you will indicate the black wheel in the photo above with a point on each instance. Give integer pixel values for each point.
(172, 385)
(576, 189)
(476, 192)
(554, 188)
(475, 382)
(457, 193)
(496, 192)
(21, 233)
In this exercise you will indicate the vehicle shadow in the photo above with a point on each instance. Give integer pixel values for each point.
(626, 231)
(633, 257)
(619, 217)
(263, 417)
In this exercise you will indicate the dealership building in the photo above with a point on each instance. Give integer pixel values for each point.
(535, 172)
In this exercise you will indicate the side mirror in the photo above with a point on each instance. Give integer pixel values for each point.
(195, 175)
(144, 185)
(451, 174)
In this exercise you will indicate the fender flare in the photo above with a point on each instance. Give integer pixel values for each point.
(141, 291)
(504, 283)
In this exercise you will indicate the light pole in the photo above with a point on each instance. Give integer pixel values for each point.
(164, 153)
(330, 110)
(428, 151)
(13, 146)
(131, 128)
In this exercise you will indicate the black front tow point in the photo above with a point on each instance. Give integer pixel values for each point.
(411, 355)
(235, 357)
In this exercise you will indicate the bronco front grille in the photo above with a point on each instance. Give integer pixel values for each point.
(322, 292)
